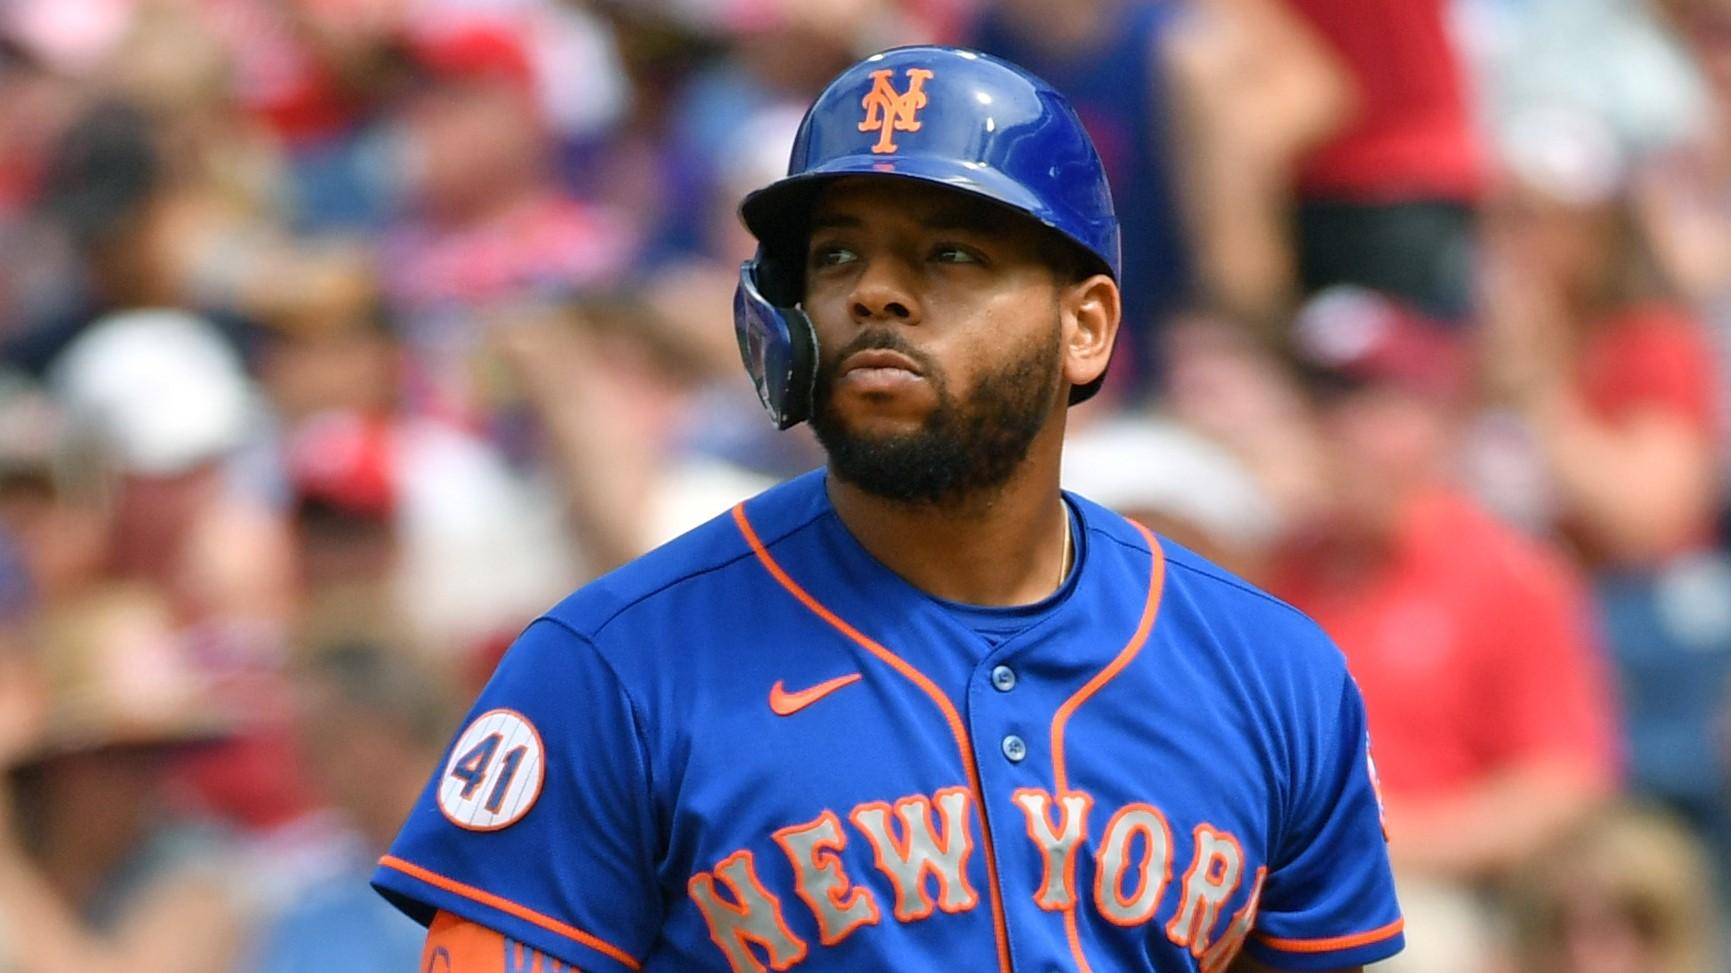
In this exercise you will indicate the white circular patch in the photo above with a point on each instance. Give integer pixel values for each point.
(494, 774)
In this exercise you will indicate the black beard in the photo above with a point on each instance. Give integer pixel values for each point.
(963, 449)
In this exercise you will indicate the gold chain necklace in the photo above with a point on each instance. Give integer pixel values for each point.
(1064, 562)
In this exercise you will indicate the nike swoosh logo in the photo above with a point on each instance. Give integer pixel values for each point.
(785, 703)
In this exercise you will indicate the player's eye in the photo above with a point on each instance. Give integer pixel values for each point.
(951, 253)
(831, 255)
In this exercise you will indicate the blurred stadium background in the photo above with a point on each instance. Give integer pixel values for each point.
(338, 337)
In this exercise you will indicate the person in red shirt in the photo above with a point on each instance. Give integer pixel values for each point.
(1489, 710)
(1389, 201)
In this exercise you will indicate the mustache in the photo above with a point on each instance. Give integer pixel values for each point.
(881, 339)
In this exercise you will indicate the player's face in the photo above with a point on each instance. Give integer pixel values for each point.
(941, 330)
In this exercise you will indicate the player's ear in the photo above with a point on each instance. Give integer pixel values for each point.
(1090, 310)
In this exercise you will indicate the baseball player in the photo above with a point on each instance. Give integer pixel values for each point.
(920, 710)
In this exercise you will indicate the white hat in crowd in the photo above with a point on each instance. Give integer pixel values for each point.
(1141, 465)
(163, 390)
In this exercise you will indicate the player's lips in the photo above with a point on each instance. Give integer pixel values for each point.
(879, 358)
(879, 369)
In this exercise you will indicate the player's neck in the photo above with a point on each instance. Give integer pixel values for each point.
(1006, 548)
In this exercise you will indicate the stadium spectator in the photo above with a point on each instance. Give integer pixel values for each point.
(36, 104)
(489, 226)
(369, 720)
(1231, 386)
(165, 401)
(164, 398)
(53, 527)
(101, 193)
(1626, 891)
(777, 51)
(1585, 341)
(96, 870)
(1586, 345)
(321, 78)
(391, 513)
(1388, 202)
(1199, 111)
(1681, 197)
(1489, 711)
(619, 381)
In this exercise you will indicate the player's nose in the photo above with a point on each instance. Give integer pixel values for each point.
(884, 291)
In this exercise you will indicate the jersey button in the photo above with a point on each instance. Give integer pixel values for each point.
(1003, 679)
(1014, 749)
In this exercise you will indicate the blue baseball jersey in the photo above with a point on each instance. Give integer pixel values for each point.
(758, 748)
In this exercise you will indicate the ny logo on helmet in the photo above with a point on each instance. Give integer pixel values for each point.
(889, 110)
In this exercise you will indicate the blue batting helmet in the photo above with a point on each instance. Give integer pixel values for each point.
(941, 115)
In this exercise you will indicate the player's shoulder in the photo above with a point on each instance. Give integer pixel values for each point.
(1212, 605)
(703, 561)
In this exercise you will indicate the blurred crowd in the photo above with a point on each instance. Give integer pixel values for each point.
(340, 337)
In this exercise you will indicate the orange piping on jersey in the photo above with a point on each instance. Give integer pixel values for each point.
(999, 928)
(1156, 583)
(510, 908)
(1338, 942)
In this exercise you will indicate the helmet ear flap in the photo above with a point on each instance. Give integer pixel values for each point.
(776, 341)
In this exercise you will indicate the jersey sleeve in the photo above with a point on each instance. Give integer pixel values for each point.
(538, 821)
(1329, 900)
